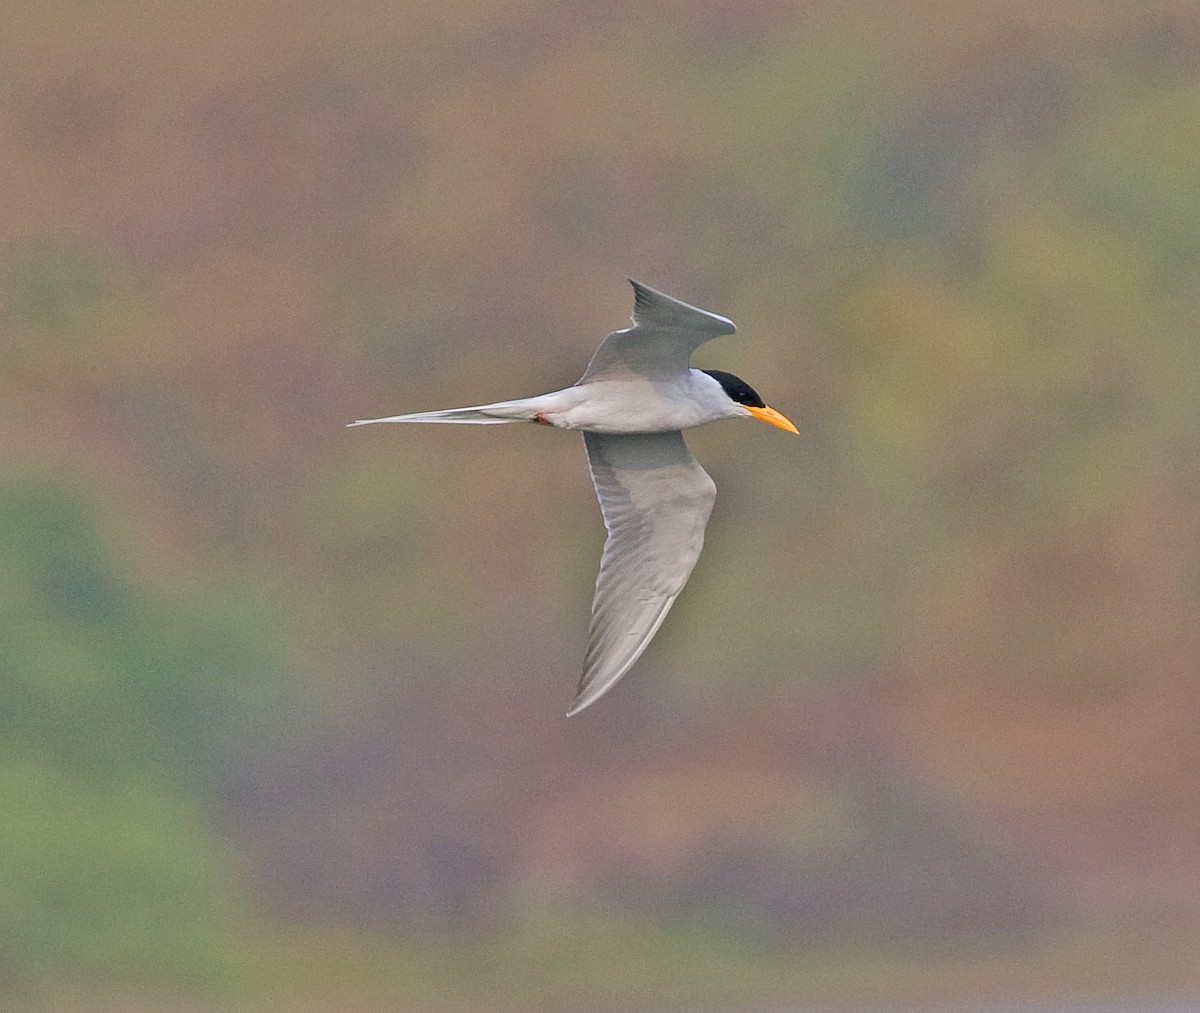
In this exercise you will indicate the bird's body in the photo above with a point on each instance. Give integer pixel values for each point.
(617, 407)
(631, 404)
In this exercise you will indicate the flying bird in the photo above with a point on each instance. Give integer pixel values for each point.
(631, 403)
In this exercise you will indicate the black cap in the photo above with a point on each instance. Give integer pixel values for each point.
(737, 388)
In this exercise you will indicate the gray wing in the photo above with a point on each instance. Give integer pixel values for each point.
(655, 499)
(658, 346)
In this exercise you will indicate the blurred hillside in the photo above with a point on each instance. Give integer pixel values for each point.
(283, 703)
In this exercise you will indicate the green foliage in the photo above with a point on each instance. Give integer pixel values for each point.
(53, 294)
(1130, 164)
(111, 877)
(114, 705)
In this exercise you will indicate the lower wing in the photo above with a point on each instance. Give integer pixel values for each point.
(655, 499)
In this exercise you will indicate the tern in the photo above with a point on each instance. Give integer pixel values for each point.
(632, 403)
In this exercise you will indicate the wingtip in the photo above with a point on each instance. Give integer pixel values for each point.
(586, 696)
(643, 295)
(649, 304)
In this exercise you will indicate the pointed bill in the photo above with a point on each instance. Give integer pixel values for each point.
(772, 417)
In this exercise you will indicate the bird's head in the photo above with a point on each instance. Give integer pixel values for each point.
(741, 393)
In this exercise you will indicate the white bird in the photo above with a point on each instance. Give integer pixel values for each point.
(636, 395)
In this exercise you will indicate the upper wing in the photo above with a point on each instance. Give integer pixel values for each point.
(655, 500)
(664, 334)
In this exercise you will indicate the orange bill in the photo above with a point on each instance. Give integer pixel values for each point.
(773, 417)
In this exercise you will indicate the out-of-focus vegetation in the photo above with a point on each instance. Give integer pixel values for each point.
(121, 713)
(282, 703)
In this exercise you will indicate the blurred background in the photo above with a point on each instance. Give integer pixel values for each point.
(282, 704)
